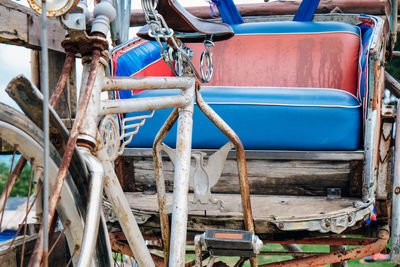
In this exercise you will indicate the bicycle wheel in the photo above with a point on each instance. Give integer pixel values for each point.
(25, 139)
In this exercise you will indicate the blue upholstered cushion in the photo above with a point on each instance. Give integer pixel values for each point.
(274, 117)
(268, 118)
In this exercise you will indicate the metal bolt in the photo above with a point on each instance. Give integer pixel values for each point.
(397, 190)
(281, 226)
(349, 219)
(327, 224)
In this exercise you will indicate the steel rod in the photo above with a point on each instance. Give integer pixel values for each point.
(145, 83)
(141, 104)
(69, 150)
(125, 217)
(62, 80)
(93, 208)
(13, 177)
(181, 181)
(45, 90)
(395, 252)
(160, 182)
(241, 162)
(198, 250)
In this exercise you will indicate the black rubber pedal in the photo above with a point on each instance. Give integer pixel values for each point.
(230, 243)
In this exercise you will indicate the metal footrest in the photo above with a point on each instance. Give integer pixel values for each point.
(231, 243)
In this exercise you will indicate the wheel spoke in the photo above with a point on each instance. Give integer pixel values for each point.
(26, 213)
(72, 256)
(25, 219)
(59, 237)
(13, 177)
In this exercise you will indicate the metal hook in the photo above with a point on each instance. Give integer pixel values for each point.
(209, 64)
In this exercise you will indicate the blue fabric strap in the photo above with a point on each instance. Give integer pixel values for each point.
(306, 10)
(228, 11)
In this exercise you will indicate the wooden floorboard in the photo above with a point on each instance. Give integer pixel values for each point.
(264, 207)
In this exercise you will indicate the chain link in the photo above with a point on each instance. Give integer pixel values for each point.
(177, 55)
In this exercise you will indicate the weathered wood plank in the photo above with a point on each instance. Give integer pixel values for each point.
(10, 30)
(19, 25)
(392, 84)
(265, 210)
(268, 154)
(265, 176)
(12, 257)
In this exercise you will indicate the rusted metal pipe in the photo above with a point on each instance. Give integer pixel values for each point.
(292, 253)
(327, 241)
(145, 83)
(198, 250)
(193, 262)
(241, 161)
(36, 257)
(355, 253)
(141, 104)
(181, 180)
(62, 80)
(160, 182)
(373, 7)
(124, 248)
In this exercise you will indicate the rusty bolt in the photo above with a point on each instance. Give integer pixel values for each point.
(327, 224)
(281, 226)
(397, 190)
(349, 219)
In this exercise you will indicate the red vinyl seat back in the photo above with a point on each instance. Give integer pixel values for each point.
(288, 54)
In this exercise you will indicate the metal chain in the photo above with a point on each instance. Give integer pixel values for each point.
(173, 50)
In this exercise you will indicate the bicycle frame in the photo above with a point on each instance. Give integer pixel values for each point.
(91, 146)
(184, 101)
(183, 109)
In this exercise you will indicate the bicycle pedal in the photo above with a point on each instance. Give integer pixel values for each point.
(231, 243)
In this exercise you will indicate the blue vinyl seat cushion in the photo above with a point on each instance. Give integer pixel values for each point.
(267, 118)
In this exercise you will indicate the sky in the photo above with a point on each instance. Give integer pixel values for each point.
(15, 60)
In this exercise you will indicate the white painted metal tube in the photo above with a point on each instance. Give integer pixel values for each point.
(93, 209)
(125, 217)
(181, 183)
(145, 83)
(44, 75)
(395, 229)
(141, 104)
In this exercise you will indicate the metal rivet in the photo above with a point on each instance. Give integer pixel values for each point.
(281, 226)
(397, 190)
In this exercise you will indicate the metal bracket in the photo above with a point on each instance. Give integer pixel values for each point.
(334, 193)
(203, 176)
(74, 20)
(335, 223)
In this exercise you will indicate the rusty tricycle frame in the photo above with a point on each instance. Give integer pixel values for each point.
(100, 143)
